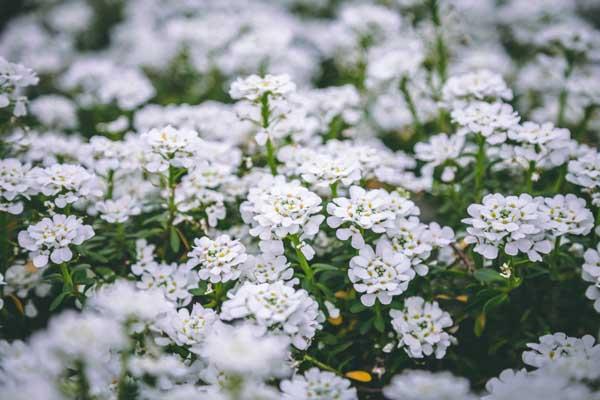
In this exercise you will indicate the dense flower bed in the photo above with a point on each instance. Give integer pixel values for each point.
(300, 199)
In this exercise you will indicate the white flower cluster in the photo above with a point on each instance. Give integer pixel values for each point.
(219, 260)
(425, 385)
(277, 209)
(13, 79)
(276, 306)
(590, 272)
(420, 327)
(14, 185)
(51, 237)
(318, 385)
(522, 224)
(560, 354)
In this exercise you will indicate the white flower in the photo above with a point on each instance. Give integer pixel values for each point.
(439, 149)
(247, 351)
(420, 328)
(585, 171)
(566, 215)
(67, 183)
(54, 111)
(13, 185)
(220, 260)
(282, 209)
(52, 237)
(174, 280)
(323, 170)
(317, 385)
(380, 274)
(481, 84)
(268, 268)
(174, 146)
(276, 306)
(512, 385)
(186, 328)
(564, 355)
(513, 222)
(119, 210)
(542, 143)
(253, 87)
(13, 78)
(426, 385)
(591, 273)
(363, 210)
(124, 302)
(491, 120)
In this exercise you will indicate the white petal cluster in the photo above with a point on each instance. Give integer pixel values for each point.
(268, 268)
(380, 274)
(420, 328)
(54, 111)
(51, 237)
(278, 307)
(491, 120)
(520, 384)
(564, 355)
(318, 385)
(479, 85)
(13, 185)
(439, 149)
(545, 144)
(246, 350)
(66, 183)
(426, 385)
(13, 79)
(174, 147)
(119, 210)
(276, 209)
(522, 224)
(566, 215)
(365, 209)
(219, 260)
(585, 171)
(254, 87)
(590, 272)
(188, 328)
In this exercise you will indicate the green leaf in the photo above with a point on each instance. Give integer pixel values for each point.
(488, 275)
(319, 267)
(200, 290)
(58, 300)
(175, 241)
(357, 307)
(494, 302)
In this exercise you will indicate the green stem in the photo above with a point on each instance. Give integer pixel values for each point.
(440, 44)
(581, 128)
(66, 274)
(418, 127)
(319, 364)
(4, 240)
(334, 191)
(172, 209)
(528, 177)
(271, 157)
(265, 112)
(308, 272)
(479, 166)
(84, 386)
(111, 184)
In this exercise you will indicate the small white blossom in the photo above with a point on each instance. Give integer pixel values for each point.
(380, 274)
(363, 210)
(591, 273)
(511, 222)
(174, 146)
(188, 328)
(318, 385)
(13, 185)
(585, 171)
(219, 260)
(119, 210)
(426, 385)
(253, 87)
(278, 307)
(420, 328)
(481, 84)
(566, 215)
(50, 238)
(491, 120)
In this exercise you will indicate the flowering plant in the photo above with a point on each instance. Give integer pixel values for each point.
(300, 199)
